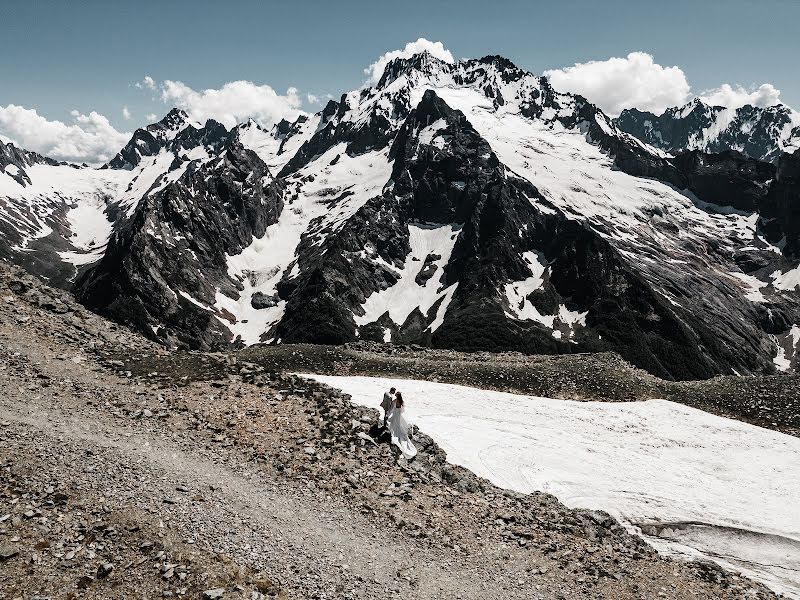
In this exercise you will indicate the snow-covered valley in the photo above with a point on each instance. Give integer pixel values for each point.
(692, 483)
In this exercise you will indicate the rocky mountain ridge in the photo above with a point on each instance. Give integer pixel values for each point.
(465, 205)
(13, 162)
(763, 133)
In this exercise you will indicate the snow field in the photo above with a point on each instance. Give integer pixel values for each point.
(710, 486)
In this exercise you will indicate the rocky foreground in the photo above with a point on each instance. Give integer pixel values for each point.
(212, 476)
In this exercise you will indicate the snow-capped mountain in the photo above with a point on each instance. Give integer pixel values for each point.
(465, 205)
(761, 133)
(54, 217)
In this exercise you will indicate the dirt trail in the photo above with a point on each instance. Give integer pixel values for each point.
(252, 512)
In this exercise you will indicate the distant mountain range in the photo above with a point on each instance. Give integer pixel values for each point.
(465, 205)
(761, 133)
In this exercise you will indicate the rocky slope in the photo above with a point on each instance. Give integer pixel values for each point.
(761, 133)
(210, 477)
(464, 205)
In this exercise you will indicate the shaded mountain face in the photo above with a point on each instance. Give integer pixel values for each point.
(780, 210)
(169, 258)
(465, 205)
(760, 133)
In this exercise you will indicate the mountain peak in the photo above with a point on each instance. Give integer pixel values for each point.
(175, 115)
(423, 62)
(175, 120)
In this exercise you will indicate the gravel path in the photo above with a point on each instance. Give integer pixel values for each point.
(257, 520)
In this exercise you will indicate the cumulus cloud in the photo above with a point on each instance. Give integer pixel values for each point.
(152, 117)
(637, 81)
(619, 83)
(146, 83)
(312, 99)
(437, 49)
(89, 138)
(234, 102)
(735, 96)
(126, 114)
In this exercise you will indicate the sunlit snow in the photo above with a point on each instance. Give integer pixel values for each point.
(81, 193)
(315, 206)
(699, 484)
(403, 297)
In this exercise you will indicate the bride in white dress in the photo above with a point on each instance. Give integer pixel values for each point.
(398, 428)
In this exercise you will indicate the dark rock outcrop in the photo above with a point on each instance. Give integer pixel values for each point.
(171, 255)
(726, 179)
(780, 209)
(14, 161)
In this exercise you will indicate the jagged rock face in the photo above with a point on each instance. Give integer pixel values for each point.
(179, 239)
(726, 179)
(466, 205)
(780, 210)
(13, 162)
(760, 133)
(175, 132)
(148, 141)
(56, 218)
(431, 186)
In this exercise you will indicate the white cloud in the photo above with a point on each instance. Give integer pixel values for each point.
(735, 96)
(619, 83)
(637, 81)
(146, 83)
(126, 114)
(312, 99)
(437, 49)
(91, 138)
(151, 118)
(234, 102)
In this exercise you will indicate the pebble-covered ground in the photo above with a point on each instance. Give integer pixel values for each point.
(129, 472)
(771, 401)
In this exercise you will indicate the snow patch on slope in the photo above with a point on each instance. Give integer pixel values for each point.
(789, 280)
(753, 285)
(268, 145)
(517, 292)
(520, 307)
(80, 193)
(403, 297)
(657, 465)
(260, 267)
(319, 199)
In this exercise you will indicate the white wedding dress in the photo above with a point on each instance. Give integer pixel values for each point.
(398, 428)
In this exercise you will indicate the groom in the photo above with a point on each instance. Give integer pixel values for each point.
(387, 404)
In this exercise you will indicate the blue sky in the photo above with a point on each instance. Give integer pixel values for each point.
(86, 56)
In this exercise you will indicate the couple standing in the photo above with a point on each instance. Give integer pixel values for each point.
(393, 420)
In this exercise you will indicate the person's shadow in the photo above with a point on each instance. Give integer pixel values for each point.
(380, 434)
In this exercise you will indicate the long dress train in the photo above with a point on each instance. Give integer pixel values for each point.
(398, 428)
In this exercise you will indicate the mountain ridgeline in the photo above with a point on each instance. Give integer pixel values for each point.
(463, 205)
(761, 133)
